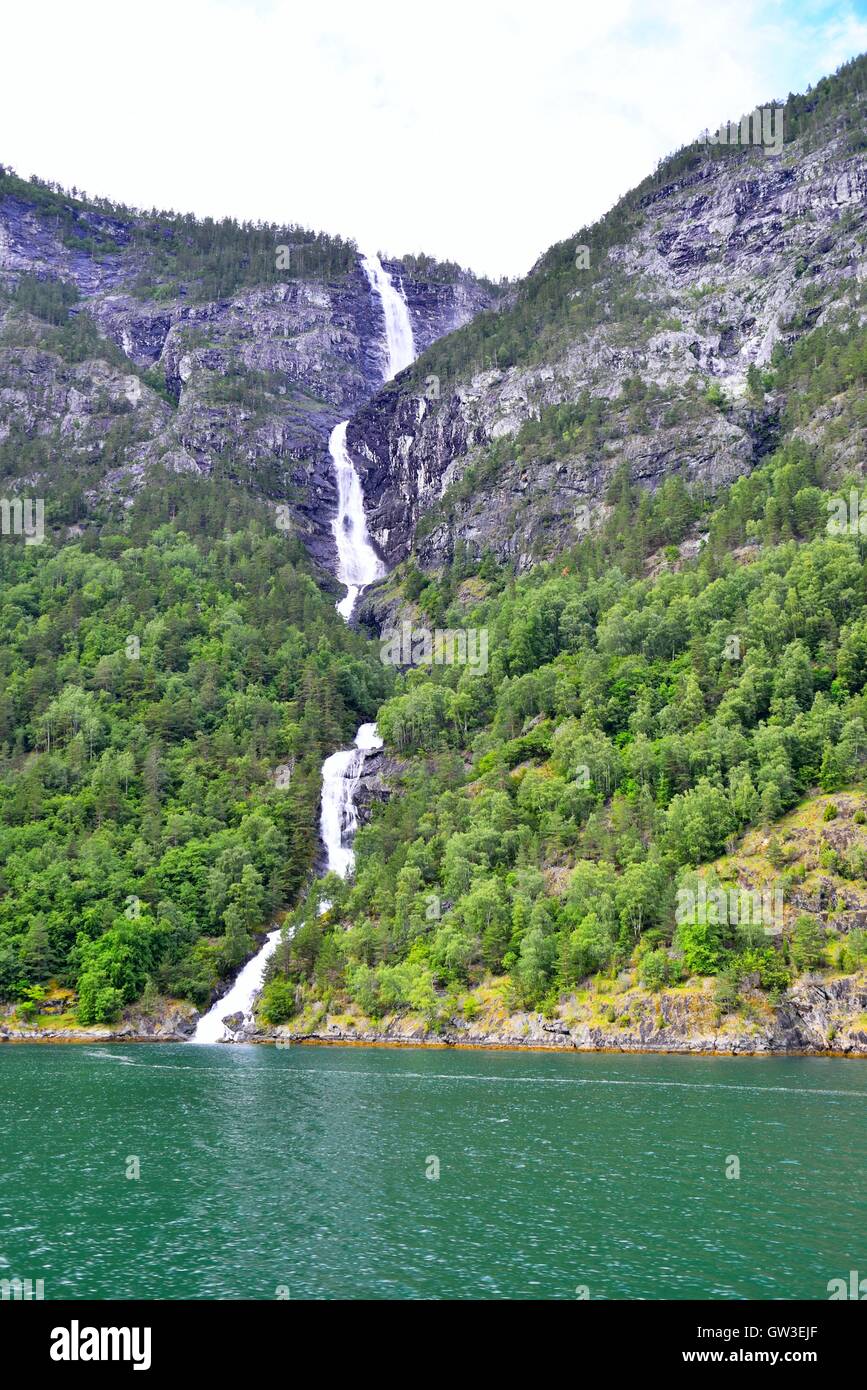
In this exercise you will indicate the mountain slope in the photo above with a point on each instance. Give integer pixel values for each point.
(174, 671)
(206, 348)
(680, 666)
(506, 435)
(622, 477)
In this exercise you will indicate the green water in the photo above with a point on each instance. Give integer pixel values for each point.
(305, 1169)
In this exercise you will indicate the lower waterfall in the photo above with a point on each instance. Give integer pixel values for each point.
(338, 823)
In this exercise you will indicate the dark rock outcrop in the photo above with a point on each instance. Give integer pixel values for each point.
(377, 783)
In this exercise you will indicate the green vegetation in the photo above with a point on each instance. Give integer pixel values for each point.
(153, 678)
(549, 809)
(201, 257)
(63, 325)
(429, 269)
(641, 716)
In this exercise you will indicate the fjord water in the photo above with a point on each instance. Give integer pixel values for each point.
(304, 1170)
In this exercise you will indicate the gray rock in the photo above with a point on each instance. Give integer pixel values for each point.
(716, 255)
(310, 352)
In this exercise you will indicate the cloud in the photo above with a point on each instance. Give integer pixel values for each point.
(480, 132)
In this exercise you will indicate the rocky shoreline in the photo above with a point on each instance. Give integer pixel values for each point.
(816, 1017)
(175, 1024)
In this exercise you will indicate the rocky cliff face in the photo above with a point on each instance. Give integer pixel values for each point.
(815, 1017)
(719, 264)
(250, 384)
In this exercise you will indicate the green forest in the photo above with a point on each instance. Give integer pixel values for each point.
(153, 679)
(628, 730)
(174, 671)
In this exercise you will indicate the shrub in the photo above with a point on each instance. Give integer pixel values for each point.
(808, 944)
(767, 964)
(726, 996)
(97, 1002)
(277, 1003)
(701, 943)
(654, 969)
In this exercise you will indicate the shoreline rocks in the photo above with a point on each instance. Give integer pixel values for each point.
(816, 1017)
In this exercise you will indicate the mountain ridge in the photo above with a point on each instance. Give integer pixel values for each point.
(260, 373)
(692, 280)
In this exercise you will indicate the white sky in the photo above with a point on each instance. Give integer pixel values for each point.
(479, 132)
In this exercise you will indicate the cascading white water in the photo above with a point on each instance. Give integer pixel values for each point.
(399, 341)
(339, 819)
(239, 1000)
(357, 566)
(357, 562)
(338, 823)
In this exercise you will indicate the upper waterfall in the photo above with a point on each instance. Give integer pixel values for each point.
(399, 340)
(357, 562)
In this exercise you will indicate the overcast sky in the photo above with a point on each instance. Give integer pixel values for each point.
(475, 131)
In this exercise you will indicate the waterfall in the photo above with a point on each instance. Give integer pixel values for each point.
(399, 342)
(239, 1000)
(357, 566)
(338, 823)
(339, 819)
(357, 562)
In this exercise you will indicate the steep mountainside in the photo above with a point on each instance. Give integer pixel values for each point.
(618, 479)
(633, 817)
(173, 668)
(132, 343)
(634, 344)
